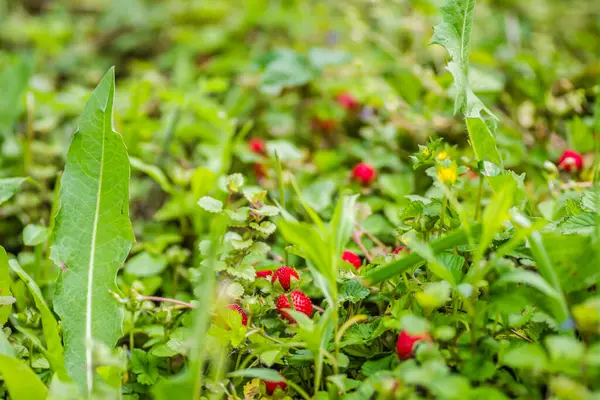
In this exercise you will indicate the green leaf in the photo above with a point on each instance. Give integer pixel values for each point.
(4, 285)
(454, 34)
(8, 187)
(353, 292)
(13, 81)
(453, 239)
(531, 279)
(583, 224)
(34, 234)
(265, 374)
(210, 204)
(22, 383)
(49, 324)
(145, 366)
(154, 172)
(483, 141)
(435, 265)
(526, 355)
(92, 234)
(146, 264)
(285, 69)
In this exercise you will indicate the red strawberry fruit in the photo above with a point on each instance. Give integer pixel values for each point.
(259, 170)
(406, 342)
(401, 248)
(284, 276)
(326, 125)
(257, 146)
(570, 161)
(364, 173)
(352, 258)
(347, 101)
(240, 310)
(264, 274)
(271, 386)
(302, 303)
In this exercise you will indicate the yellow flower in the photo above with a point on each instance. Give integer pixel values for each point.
(425, 151)
(442, 156)
(447, 175)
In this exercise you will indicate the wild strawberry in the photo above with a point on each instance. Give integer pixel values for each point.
(352, 258)
(264, 274)
(406, 343)
(347, 101)
(364, 173)
(302, 303)
(401, 248)
(271, 386)
(259, 170)
(257, 146)
(236, 307)
(570, 161)
(323, 124)
(284, 276)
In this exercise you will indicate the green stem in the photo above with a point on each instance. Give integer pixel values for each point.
(443, 216)
(298, 390)
(479, 195)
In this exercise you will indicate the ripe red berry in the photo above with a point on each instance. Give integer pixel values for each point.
(352, 258)
(570, 161)
(264, 274)
(271, 386)
(326, 125)
(259, 170)
(401, 248)
(302, 303)
(406, 343)
(257, 145)
(347, 101)
(364, 173)
(240, 310)
(284, 276)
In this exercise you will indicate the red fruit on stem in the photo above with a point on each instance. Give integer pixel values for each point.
(347, 101)
(240, 310)
(257, 146)
(302, 303)
(406, 342)
(401, 248)
(364, 173)
(264, 274)
(326, 125)
(271, 386)
(259, 170)
(570, 161)
(352, 258)
(284, 276)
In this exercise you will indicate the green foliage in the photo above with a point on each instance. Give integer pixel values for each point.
(444, 249)
(92, 234)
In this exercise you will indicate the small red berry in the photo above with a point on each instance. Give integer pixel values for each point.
(364, 172)
(271, 386)
(302, 303)
(240, 310)
(352, 258)
(264, 274)
(259, 170)
(347, 101)
(284, 276)
(406, 343)
(401, 248)
(257, 146)
(326, 125)
(570, 161)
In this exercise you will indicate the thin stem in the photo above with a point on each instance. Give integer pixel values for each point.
(131, 332)
(479, 194)
(356, 238)
(372, 237)
(298, 390)
(166, 300)
(443, 216)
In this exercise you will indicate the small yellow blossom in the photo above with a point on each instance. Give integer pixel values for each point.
(447, 175)
(425, 151)
(442, 156)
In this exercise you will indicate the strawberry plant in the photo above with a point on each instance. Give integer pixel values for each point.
(299, 200)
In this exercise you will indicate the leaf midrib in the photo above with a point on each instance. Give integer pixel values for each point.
(88, 314)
